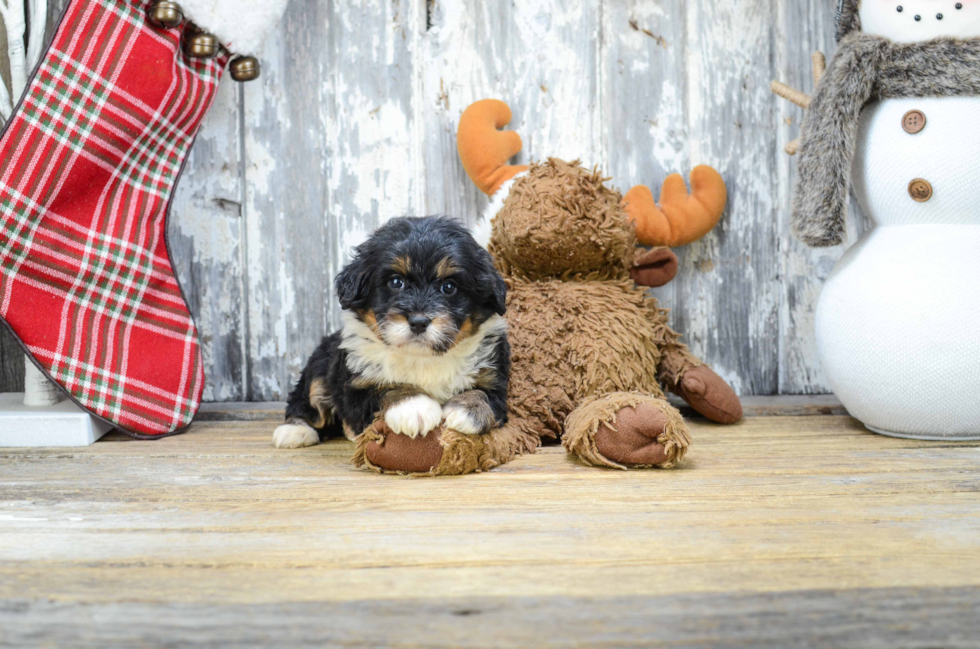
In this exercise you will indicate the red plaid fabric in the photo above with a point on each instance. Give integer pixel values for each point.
(88, 163)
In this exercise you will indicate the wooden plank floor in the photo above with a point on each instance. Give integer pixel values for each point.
(804, 531)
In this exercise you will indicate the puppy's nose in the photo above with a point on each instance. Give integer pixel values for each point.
(419, 323)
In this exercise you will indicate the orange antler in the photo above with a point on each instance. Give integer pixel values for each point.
(484, 149)
(680, 218)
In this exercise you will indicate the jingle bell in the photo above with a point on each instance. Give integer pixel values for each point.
(244, 68)
(201, 45)
(164, 13)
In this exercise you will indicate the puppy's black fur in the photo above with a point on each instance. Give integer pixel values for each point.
(418, 283)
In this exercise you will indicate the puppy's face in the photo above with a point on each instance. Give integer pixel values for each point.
(422, 284)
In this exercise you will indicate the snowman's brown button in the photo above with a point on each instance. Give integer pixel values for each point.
(920, 190)
(914, 121)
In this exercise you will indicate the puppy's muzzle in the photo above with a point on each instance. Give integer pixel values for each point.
(419, 324)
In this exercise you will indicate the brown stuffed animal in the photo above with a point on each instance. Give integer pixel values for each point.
(590, 348)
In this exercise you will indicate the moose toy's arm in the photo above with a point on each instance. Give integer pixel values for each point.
(687, 376)
(680, 371)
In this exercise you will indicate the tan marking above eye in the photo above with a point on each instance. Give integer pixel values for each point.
(446, 268)
(402, 265)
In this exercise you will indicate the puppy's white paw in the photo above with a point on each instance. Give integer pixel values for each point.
(295, 436)
(462, 420)
(414, 416)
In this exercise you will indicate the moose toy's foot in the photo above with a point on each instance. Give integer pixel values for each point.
(387, 452)
(627, 431)
(441, 452)
(708, 393)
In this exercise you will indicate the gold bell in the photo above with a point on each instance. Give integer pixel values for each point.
(164, 13)
(244, 68)
(201, 45)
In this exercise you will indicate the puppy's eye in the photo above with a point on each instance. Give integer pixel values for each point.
(396, 283)
(448, 288)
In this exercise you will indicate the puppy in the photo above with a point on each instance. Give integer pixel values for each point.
(423, 342)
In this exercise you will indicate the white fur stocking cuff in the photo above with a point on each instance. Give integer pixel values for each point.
(240, 25)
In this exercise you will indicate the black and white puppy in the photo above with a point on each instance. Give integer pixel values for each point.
(423, 342)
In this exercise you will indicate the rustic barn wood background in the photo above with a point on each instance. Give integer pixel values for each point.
(353, 122)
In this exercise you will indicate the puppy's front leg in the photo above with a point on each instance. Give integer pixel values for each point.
(295, 433)
(474, 412)
(410, 412)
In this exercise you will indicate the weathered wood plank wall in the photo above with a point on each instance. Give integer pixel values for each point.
(353, 123)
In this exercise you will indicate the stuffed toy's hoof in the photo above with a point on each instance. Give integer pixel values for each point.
(710, 395)
(627, 431)
(441, 452)
(632, 440)
(388, 452)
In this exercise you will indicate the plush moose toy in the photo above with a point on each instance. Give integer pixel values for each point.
(590, 348)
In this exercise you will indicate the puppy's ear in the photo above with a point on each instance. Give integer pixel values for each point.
(353, 284)
(493, 287)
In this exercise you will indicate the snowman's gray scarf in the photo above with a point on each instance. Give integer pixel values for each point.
(866, 68)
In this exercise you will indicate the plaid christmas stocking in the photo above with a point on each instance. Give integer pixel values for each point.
(88, 163)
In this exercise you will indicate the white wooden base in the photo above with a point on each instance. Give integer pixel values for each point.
(63, 424)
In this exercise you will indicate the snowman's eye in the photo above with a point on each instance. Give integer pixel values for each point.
(959, 5)
(918, 18)
(939, 16)
(901, 8)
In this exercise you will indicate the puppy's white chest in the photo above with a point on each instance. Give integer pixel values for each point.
(441, 377)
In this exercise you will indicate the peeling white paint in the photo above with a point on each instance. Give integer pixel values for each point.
(353, 123)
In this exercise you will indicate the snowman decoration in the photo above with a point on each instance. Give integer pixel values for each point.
(896, 115)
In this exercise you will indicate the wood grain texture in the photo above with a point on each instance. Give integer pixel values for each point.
(874, 618)
(354, 120)
(778, 528)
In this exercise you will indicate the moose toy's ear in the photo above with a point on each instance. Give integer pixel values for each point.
(353, 284)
